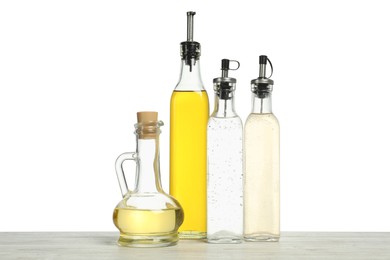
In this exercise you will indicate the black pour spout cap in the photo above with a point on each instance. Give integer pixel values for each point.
(225, 64)
(263, 59)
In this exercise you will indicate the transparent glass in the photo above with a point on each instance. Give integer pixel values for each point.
(146, 216)
(224, 175)
(188, 162)
(261, 172)
(190, 77)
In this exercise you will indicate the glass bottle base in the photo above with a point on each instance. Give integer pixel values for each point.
(224, 237)
(225, 240)
(192, 235)
(160, 240)
(261, 238)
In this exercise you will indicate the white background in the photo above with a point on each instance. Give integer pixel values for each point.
(74, 73)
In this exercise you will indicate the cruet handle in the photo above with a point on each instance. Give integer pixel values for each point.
(119, 170)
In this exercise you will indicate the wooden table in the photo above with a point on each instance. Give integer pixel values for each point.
(102, 245)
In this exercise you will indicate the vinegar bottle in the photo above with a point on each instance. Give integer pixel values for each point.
(261, 164)
(224, 172)
(189, 115)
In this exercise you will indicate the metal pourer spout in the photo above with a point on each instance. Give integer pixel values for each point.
(225, 68)
(263, 65)
(190, 26)
(262, 86)
(190, 50)
(223, 86)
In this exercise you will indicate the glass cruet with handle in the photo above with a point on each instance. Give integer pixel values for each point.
(146, 216)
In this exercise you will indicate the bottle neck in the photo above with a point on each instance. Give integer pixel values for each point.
(148, 159)
(224, 107)
(190, 79)
(262, 105)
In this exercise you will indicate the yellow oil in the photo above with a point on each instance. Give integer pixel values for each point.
(147, 227)
(188, 160)
(135, 221)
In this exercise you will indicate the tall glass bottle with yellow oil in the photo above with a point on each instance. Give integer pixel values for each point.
(188, 131)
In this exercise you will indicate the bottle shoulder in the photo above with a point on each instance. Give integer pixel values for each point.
(261, 119)
(231, 122)
(150, 200)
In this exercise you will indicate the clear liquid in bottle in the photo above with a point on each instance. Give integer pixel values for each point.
(262, 178)
(224, 183)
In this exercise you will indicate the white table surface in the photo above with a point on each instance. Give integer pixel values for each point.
(102, 245)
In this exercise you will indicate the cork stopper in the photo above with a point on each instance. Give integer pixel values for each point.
(147, 125)
(146, 117)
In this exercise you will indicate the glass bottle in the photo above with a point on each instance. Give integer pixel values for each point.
(261, 164)
(146, 216)
(224, 172)
(189, 114)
